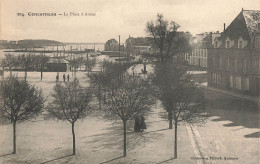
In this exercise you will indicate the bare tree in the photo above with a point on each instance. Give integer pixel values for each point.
(26, 62)
(96, 81)
(89, 64)
(71, 102)
(10, 62)
(132, 97)
(19, 101)
(75, 63)
(110, 73)
(3, 64)
(162, 33)
(41, 61)
(180, 96)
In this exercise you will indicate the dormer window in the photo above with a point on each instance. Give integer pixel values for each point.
(216, 44)
(227, 44)
(240, 44)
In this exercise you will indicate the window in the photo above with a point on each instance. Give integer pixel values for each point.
(228, 44)
(244, 66)
(237, 82)
(246, 84)
(219, 79)
(214, 62)
(231, 81)
(257, 42)
(235, 65)
(220, 62)
(228, 64)
(214, 81)
(240, 44)
(216, 44)
(257, 63)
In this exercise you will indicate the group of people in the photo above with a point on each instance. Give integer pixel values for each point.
(139, 124)
(64, 77)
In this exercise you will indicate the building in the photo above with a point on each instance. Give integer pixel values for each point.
(234, 59)
(199, 53)
(140, 45)
(57, 65)
(181, 47)
(112, 45)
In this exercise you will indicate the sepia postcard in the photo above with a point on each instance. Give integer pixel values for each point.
(129, 81)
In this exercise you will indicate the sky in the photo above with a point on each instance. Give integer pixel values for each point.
(113, 17)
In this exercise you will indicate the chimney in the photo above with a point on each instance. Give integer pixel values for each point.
(224, 27)
(242, 9)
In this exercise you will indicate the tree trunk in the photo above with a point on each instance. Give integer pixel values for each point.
(170, 119)
(25, 74)
(41, 73)
(124, 124)
(99, 96)
(74, 143)
(161, 53)
(11, 70)
(14, 137)
(3, 73)
(175, 140)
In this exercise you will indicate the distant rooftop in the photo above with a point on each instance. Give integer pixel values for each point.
(244, 25)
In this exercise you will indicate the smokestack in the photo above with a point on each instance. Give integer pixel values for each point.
(224, 27)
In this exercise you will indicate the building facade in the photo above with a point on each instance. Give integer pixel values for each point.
(58, 65)
(234, 59)
(140, 45)
(181, 48)
(199, 53)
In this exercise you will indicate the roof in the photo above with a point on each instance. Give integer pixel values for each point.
(140, 41)
(57, 60)
(244, 25)
(111, 41)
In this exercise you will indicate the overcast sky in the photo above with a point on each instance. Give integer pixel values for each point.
(113, 17)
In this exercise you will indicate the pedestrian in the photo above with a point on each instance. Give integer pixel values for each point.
(68, 77)
(142, 124)
(57, 77)
(137, 124)
(64, 77)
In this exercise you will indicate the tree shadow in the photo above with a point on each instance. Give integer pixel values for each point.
(238, 129)
(165, 161)
(240, 112)
(156, 121)
(230, 124)
(253, 135)
(112, 160)
(56, 159)
(6, 155)
(113, 138)
(156, 131)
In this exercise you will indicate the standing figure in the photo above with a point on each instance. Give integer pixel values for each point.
(142, 124)
(64, 77)
(137, 124)
(68, 77)
(57, 77)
